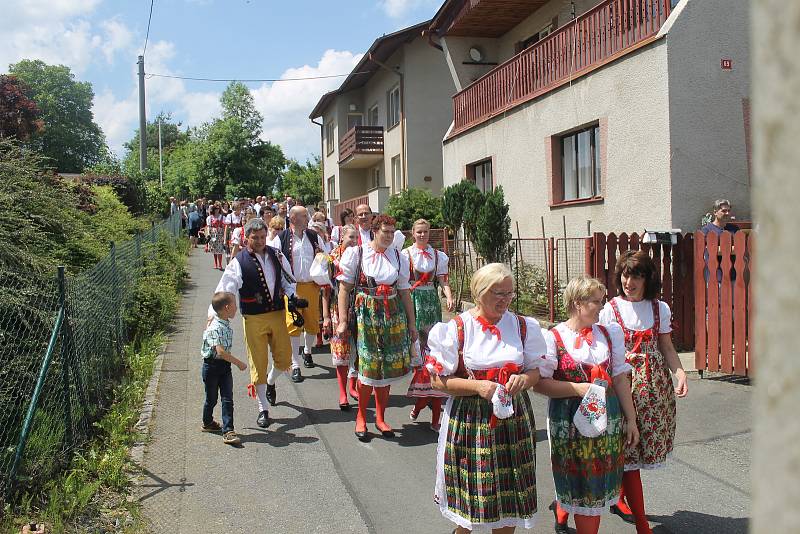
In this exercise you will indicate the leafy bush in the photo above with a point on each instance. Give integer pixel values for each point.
(126, 189)
(493, 227)
(415, 203)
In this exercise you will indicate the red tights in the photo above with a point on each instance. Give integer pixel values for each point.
(381, 402)
(341, 378)
(218, 261)
(436, 407)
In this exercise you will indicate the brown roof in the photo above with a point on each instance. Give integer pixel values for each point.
(381, 50)
(481, 18)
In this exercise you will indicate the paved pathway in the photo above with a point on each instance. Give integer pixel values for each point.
(307, 472)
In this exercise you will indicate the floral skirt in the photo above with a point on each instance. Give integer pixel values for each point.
(341, 348)
(420, 385)
(587, 471)
(427, 307)
(654, 400)
(383, 343)
(487, 476)
(216, 244)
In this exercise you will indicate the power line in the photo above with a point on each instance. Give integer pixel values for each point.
(147, 35)
(152, 75)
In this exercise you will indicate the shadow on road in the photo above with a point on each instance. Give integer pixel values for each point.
(685, 521)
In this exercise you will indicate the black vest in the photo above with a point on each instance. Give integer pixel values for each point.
(254, 298)
(287, 251)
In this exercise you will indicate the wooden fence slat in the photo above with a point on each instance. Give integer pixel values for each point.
(751, 257)
(712, 300)
(599, 256)
(740, 306)
(726, 306)
(689, 310)
(700, 337)
(677, 293)
(611, 262)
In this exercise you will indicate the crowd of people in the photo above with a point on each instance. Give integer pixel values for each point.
(607, 370)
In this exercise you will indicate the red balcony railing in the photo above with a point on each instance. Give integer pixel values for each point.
(602, 34)
(361, 140)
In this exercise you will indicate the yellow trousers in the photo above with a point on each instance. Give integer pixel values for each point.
(263, 330)
(310, 292)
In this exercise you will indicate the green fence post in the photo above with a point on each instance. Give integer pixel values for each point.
(116, 296)
(138, 249)
(63, 354)
(37, 391)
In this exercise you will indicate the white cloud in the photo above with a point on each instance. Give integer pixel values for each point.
(286, 105)
(400, 8)
(117, 38)
(115, 118)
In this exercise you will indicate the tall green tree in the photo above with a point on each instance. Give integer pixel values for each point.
(493, 227)
(171, 135)
(412, 204)
(70, 139)
(302, 181)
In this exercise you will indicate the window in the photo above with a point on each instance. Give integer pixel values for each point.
(331, 187)
(580, 164)
(397, 175)
(354, 119)
(372, 116)
(376, 178)
(329, 137)
(480, 174)
(393, 107)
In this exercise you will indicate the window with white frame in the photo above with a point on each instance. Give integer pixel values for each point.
(329, 132)
(397, 175)
(480, 174)
(372, 116)
(580, 164)
(393, 107)
(331, 187)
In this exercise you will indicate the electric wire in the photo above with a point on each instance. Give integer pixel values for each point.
(147, 35)
(252, 80)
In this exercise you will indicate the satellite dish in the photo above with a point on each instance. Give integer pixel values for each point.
(475, 54)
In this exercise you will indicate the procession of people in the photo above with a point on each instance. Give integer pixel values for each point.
(607, 370)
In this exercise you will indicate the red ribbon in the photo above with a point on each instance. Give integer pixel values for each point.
(433, 366)
(486, 326)
(375, 257)
(499, 375)
(251, 391)
(639, 337)
(384, 290)
(422, 280)
(424, 253)
(584, 335)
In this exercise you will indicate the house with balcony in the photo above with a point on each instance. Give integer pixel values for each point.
(382, 129)
(612, 115)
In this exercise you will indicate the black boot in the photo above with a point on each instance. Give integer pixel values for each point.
(271, 394)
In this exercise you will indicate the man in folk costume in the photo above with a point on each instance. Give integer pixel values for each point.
(300, 245)
(364, 224)
(261, 276)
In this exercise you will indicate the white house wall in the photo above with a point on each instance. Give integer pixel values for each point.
(708, 107)
(630, 100)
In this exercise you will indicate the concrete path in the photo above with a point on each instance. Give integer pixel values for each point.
(307, 472)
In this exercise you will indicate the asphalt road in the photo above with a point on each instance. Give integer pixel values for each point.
(308, 473)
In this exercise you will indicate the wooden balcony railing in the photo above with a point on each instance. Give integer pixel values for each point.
(602, 34)
(350, 203)
(361, 140)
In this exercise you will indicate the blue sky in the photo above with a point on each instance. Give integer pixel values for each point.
(101, 39)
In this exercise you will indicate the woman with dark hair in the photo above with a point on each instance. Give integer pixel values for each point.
(345, 217)
(645, 320)
(383, 320)
(216, 235)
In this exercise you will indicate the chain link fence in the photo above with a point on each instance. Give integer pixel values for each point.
(62, 350)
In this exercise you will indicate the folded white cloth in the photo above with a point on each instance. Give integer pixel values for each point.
(416, 354)
(502, 403)
(319, 271)
(591, 418)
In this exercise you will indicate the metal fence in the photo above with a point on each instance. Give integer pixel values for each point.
(61, 356)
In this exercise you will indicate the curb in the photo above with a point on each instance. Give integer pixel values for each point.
(142, 426)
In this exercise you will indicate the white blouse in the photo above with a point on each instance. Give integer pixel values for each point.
(483, 350)
(211, 220)
(236, 236)
(595, 354)
(383, 267)
(638, 315)
(425, 263)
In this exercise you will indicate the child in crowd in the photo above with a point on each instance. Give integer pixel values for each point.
(217, 360)
(420, 386)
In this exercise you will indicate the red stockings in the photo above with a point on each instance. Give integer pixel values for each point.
(587, 524)
(632, 483)
(381, 402)
(341, 378)
(364, 393)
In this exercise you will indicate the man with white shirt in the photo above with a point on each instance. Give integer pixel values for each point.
(364, 223)
(299, 245)
(261, 277)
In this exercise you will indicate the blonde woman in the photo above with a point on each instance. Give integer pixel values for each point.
(238, 239)
(587, 471)
(485, 465)
(276, 225)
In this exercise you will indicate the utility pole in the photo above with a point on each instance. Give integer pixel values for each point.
(160, 159)
(142, 119)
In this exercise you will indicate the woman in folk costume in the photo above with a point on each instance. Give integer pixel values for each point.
(428, 270)
(341, 348)
(645, 320)
(238, 239)
(383, 322)
(216, 235)
(345, 217)
(587, 456)
(486, 359)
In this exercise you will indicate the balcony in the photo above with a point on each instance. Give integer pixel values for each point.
(361, 146)
(603, 34)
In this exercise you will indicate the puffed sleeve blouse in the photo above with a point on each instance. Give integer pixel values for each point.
(482, 349)
(385, 267)
(638, 315)
(595, 354)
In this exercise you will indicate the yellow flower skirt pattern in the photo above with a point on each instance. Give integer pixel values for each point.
(382, 342)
